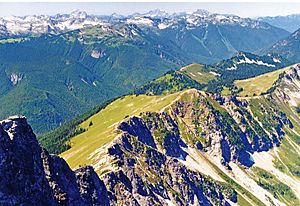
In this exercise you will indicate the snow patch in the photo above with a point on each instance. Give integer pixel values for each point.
(140, 20)
(15, 78)
(276, 60)
(134, 32)
(169, 202)
(246, 60)
(163, 26)
(95, 54)
(82, 79)
(215, 73)
(232, 68)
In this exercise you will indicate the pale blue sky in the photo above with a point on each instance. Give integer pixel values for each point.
(101, 8)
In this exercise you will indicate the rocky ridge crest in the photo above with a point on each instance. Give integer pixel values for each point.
(31, 176)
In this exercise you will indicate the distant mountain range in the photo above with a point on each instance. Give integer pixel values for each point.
(39, 24)
(290, 23)
(289, 47)
(53, 68)
(207, 37)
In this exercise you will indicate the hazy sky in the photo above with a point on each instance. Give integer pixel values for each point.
(241, 9)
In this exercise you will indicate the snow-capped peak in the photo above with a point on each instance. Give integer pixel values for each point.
(140, 21)
(40, 24)
(157, 13)
(79, 14)
(201, 12)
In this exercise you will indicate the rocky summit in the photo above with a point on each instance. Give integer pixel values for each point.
(31, 176)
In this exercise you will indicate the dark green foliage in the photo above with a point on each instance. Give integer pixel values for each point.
(171, 82)
(229, 192)
(243, 71)
(56, 141)
(210, 43)
(278, 189)
(60, 78)
(298, 109)
(257, 130)
(230, 129)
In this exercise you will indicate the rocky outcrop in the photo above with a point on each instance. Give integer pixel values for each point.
(157, 130)
(23, 179)
(146, 176)
(286, 88)
(31, 176)
(91, 188)
(148, 158)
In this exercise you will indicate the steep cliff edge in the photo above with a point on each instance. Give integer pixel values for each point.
(30, 176)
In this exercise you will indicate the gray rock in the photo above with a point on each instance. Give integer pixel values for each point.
(29, 176)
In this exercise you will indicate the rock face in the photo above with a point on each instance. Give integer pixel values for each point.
(30, 176)
(148, 159)
(160, 179)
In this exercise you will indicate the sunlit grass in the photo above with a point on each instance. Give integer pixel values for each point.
(199, 73)
(102, 130)
(257, 85)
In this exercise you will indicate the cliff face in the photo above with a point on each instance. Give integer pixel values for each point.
(150, 175)
(30, 176)
(153, 159)
(149, 170)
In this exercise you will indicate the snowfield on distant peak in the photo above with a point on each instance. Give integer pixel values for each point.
(246, 60)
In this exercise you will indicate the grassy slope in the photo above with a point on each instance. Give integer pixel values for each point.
(289, 149)
(257, 85)
(198, 72)
(271, 183)
(104, 122)
(171, 82)
(102, 132)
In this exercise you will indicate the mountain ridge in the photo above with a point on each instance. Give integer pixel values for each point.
(263, 126)
(221, 143)
(287, 47)
(290, 22)
(59, 23)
